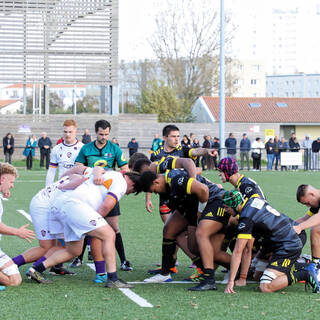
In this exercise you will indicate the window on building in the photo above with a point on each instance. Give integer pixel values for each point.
(253, 81)
(281, 104)
(254, 105)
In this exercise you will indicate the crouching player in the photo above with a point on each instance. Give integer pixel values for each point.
(9, 273)
(258, 219)
(80, 212)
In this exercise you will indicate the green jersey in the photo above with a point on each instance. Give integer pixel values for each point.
(91, 156)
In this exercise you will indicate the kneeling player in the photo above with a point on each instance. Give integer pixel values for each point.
(259, 219)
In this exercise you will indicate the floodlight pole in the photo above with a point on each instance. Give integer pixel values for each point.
(222, 83)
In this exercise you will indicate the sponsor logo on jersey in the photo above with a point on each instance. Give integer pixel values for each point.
(242, 225)
(100, 163)
(108, 183)
(180, 181)
(69, 154)
(43, 233)
(93, 222)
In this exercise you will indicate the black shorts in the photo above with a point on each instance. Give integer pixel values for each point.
(284, 263)
(114, 212)
(215, 211)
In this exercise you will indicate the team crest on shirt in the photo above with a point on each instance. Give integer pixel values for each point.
(43, 233)
(69, 154)
(180, 181)
(242, 225)
(93, 222)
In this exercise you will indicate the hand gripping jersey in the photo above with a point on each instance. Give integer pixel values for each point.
(91, 156)
(249, 188)
(179, 152)
(63, 156)
(259, 220)
(114, 186)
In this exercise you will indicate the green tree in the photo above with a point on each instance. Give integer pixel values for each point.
(162, 100)
(88, 104)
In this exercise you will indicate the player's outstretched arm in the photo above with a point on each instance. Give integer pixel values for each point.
(245, 265)
(203, 151)
(50, 176)
(22, 232)
(200, 190)
(311, 222)
(235, 263)
(149, 205)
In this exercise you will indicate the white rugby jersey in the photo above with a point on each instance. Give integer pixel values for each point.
(47, 193)
(63, 156)
(114, 186)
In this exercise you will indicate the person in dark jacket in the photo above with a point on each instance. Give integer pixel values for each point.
(86, 138)
(315, 148)
(196, 144)
(245, 147)
(231, 145)
(8, 147)
(133, 146)
(270, 153)
(295, 147)
(276, 152)
(45, 145)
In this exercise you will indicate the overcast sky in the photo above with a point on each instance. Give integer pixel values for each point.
(136, 22)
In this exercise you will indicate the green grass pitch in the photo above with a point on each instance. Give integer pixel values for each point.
(77, 297)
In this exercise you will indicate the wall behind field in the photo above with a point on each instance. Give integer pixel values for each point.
(123, 127)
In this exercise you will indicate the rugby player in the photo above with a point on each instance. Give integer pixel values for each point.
(80, 212)
(9, 273)
(63, 156)
(104, 153)
(310, 196)
(39, 212)
(188, 196)
(258, 219)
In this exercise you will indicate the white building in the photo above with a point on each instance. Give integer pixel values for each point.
(294, 85)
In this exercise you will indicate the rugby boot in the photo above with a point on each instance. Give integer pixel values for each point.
(61, 271)
(205, 285)
(118, 284)
(312, 279)
(37, 276)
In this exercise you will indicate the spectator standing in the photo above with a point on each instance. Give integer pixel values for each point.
(185, 142)
(257, 146)
(245, 147)
(295, 148)
(29, 150)
(206, 161)
(270, 153)
(283, 147)
(44, 144)
(315, 147)
(276, 152)
(133, 146)
(307, 145)
(8, 147)
(196, 144)
(156, 143)
(192, 137)
(86, 138)
(216, 146)
(231, 145)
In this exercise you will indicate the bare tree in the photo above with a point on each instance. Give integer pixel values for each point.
(186, 41)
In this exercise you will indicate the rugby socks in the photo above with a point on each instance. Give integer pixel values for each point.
(120, 247)
(168, 250)
(316, 261)
(112, 276)
(85, 242)
(39, 261)
(297, 274)
(40, 267)
(59, 265)
(208, 273)
(100, 267)
(19, 260)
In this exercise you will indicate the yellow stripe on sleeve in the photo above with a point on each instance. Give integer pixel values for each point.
(189, 185)
(174, 163)
(309, 213)
(244, 236)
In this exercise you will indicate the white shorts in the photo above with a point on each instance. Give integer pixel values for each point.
(12, 269)
(39, 212)
(76, 217)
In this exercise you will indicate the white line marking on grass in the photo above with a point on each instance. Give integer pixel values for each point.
(136, 298)
(129, 293)
(29, 181)
(27, 215)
